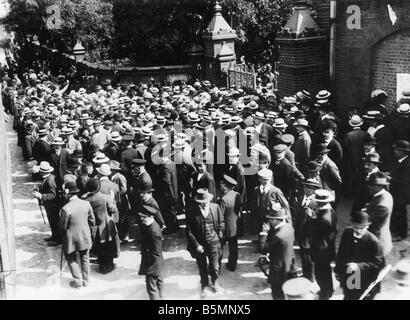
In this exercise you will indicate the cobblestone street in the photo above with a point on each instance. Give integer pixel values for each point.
(38, 266)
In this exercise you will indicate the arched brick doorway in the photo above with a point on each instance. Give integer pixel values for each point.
(390, 56)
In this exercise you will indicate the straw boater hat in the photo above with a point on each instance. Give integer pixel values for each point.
(203, 196)
(259, 115)
(45, 167)
(355, 121)
(100, 158)
(404, 109)
(279, 123)
(104, 169)
(115, 136)
(179, 144)
(302, 123)
(372, 158)
(322, 196)
(57, 141)
(115, 165)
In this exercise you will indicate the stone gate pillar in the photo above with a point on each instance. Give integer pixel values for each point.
(302, 54)
(219, 39)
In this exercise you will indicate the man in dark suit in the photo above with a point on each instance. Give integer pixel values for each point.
(380, 208)
(76, 219)
(205, 230)
(47, 195)
(230, 204)
(166, 193)
(283, 172)
(202, 179)
(144, 193)
(353, 146)
(236, 171)
(279, 246)
(359, 259)
(113, 149)
(323, 230)
(152, 261)
(329, 172)
(138, 177)
(105, 236)
(58, 158)
(263, 128)
(129, 153)
(400, 189)
(41, 147)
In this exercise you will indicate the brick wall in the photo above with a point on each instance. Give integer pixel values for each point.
(389, 57)
(354, 48)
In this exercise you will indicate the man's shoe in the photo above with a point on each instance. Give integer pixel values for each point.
(85, 283)
(74, 284)
(52, 244)
(49, 239)
(230, 268)
(202, 294)
(216, 288)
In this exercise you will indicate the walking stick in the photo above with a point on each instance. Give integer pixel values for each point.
(380, 277)
(39, 205)
(41, 210)
(61, 262)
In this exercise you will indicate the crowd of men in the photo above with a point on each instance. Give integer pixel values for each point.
(217, 163)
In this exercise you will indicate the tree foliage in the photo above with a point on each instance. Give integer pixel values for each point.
(90, 21)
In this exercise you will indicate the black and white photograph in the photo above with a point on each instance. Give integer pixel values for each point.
(209, 151)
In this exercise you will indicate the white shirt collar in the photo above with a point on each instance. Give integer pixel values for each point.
(267, 187)
(378, 193)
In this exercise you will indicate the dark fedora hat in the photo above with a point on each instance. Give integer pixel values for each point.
(312, 166)
(145, 187)
(321, 148)
(372, 157)
(360, 218)
(139, 137)
(402, 145)
(203, 195)
(93, 185)
(71, 187)
(138, 162)
(379, 179)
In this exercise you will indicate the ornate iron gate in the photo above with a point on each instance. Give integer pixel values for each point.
(241, 76)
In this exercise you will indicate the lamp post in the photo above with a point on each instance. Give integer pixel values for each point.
(78, 52)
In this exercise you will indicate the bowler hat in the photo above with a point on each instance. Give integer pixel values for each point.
(402, 145)
(71, 187)
(379, 179)
(93, 185)
(360, 218)
(138, 162)
(312, 166)
(203, 195)
(145, 187)
(373, 157)
(276, 211)
(321, 148)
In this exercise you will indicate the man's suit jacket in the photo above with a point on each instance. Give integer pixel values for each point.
(152, 261)
(111, 189)
(153, 204)
(367, 252)
(267, 131)
(330, 175)
(283, 176)
(237, 172)
(142, 179)
(194, 231)
(41, 149)
(206, 181)
(385, 141)
(113, 151)
(400, 183)
(104, 208)
(323, 236)
(59, 163)
(279, 245)
(166, 183)
(380, 209)
(261, 203)
(230, 204)
(301, 148)
(128, 155)
(48, 190)
(76, 219)
(353, 145)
